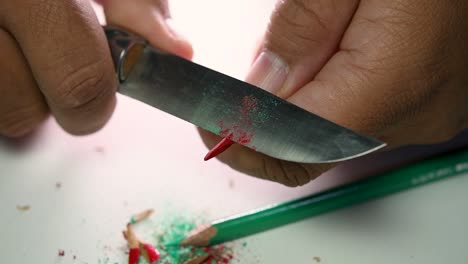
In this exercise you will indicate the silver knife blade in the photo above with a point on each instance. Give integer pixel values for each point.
(229, 107)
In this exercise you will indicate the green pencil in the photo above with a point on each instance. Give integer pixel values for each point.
(410, 176)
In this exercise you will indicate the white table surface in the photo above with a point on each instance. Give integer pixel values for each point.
(131, 165)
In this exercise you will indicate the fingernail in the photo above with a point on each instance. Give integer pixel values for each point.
(291, 82)
(268, 72)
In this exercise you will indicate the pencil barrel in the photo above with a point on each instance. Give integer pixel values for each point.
(394, 181)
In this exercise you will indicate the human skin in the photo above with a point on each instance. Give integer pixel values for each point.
(55, 60)
(393, 70)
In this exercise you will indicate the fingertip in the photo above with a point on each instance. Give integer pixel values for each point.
(182, 46)
(151, 23)
(84, 101)
(179, 47)
(185, 50)
(162, 34)
(70, 61)
(88, 118)
(257, 49)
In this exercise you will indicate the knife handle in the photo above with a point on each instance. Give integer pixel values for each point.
(125, 50)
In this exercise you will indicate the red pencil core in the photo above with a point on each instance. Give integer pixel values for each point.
(133, 256)
(223, 145)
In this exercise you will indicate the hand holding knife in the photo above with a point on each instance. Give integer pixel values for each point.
(229, 107)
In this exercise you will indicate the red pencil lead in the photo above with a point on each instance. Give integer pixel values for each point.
(150, 253)
(223, 145)
(133, 244)
(137, 247)
(134, 256)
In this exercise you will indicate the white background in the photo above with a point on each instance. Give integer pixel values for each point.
(132, 164)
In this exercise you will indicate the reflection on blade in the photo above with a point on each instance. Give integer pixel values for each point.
(248, 115)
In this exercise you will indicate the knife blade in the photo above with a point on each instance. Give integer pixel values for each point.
(229, 107)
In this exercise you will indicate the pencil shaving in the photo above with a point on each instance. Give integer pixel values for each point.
(150, 253)
(197, 260)
(141, 216)
(23, 208)
(134, 256)
(131, 237)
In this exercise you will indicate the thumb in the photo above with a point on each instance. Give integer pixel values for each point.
(301, 37)
(151, 20)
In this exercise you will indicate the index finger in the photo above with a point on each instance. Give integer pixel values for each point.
(67, 51)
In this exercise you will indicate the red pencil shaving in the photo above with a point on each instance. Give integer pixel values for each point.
(222, 146)
(134, 256)
(150, 253)
(133, 244)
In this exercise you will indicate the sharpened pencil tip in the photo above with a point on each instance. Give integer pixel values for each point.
(208, 156)
(222, 146)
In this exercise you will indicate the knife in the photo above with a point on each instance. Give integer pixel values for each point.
(229, 107)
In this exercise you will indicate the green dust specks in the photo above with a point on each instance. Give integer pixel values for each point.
(173, 228)
(257, 110)
(176, 228)
(167, 226)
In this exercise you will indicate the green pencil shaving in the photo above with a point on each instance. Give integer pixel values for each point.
(413, 175)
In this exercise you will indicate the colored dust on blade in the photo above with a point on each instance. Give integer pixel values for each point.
(236, 133)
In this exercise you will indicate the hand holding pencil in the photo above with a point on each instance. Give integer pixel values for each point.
(365, 65)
